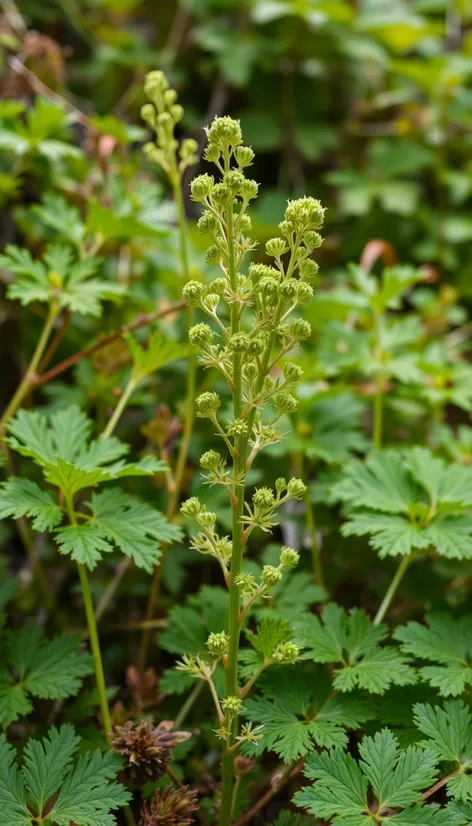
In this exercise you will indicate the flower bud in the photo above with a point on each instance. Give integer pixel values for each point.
(165, 122)
(213, 254)
(221, 195)
(232, 705)
(268, 286)
(217, 644)
(285, 403)
(271, 576)
(305, 214)
(224, 547)
(238, 343)
(207, 223)
(153, 153)
(188, 148)
(308, 268)
(155, 84)
(212, 153)
(281, 485)
(218, 286)
(245, 223)
(206, 519)
(256, 346)
(200, 335)
(304, 292)
(249, 189)
(237, 428)
(276, 247)
(224, 132)
(246, 581)
(201, 186)
(289, 558)
(263, 498)
(193, 292)
(286, 652)
(176, 112)
(191, 507)
(170, 96)
(211, 302)
(234, 180)
(244, 156)
(296, 489)
(299, 329)
(258, 271)
(312, 240)
(207, 404)
(211, 460)
(148, 114)
(288, 289)
(292, 372)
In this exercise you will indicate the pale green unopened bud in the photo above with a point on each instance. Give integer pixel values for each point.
(276, 247)
(212, 153)
(256, 346)
(296, 489)
(312, 240)
(239, 343)
(237, 428)
(170, 96)
(245, 223)
(207, 404)
(286, 652)
(285, 403)
(217, 644)
(258, 271)
(244, 156)
(224, 547)
(246, 582)
(270, 576)
(188, 148)
(165, 122)
(231, 705)
(263, 498)
(201, 187)
(289, 558)
(193, 292)
(308, 268)
(288, 289)
(299, 329)
(234, 180)
(249, 190)
(213, 254)
(211, 301)
(155, 84)
(206, 519)
(221, 195)
(148, 114)
(176, 112)
(251, 371)
(268, 286)
(305, 214)
(304, 292)
(211, 460)
(153, 153)
(191, 507)
(224, 131)
(218, 286)
(200, 335)
(292, 372)
(207, 223)
(280, 485)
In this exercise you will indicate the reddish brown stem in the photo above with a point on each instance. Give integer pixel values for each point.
(142, 321)
(55, 341)
(440, 784)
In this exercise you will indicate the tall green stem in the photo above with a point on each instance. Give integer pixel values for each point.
(234, 625)
(93, 637)
(392, 589)
(27, 380)
(174, 495)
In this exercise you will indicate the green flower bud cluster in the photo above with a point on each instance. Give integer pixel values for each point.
(207, 404)
(162, 113)
(286, 652)
(271, 576)
(217, 644)
(289, 558)
(232, 706)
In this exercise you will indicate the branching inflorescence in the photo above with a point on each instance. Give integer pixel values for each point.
(253, 329)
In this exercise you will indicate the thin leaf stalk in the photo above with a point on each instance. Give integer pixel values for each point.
(119, 409)
(392, 588)
(377, 428)
(93, 637)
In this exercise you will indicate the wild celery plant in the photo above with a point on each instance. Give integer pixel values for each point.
(162, 113)
(254, 332)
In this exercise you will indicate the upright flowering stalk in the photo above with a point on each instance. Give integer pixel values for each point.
(252, 331)
(162, 113)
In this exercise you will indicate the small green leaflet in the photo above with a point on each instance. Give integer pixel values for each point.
(270, 633)
(287, 818)
(53, 786)
(407, 502)
(445, 642)
(63, 218)
(449, 733)
(396, 777)
(353, 642)
(32, 666)
(298, 713)
(336, 428)
(159, 351)
(120, 520)
(59, 278)
(71, 462)
(42, 132)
